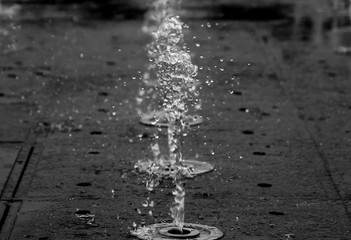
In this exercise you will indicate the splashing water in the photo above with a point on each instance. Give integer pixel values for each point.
(87, 217)
(159, 10)
(177, 210)
(176, 84)
(146, 100)
(9, 12)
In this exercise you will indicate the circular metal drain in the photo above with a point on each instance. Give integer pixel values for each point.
(176, 233)
(195, 167)
(158, 119)
(167, 231)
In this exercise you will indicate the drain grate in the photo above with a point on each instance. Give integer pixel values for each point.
(16, 186)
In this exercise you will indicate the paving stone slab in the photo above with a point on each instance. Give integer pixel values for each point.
(13, 128)
(251, 217)
(8, 154)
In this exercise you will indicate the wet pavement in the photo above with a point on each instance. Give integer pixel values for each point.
(276, 108)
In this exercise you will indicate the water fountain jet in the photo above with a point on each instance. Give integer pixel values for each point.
(175, 73)
(175, 86)
(152, 115)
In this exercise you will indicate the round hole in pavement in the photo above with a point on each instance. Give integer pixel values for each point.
(276, 213)
(259, 153)
(94, 152)
(103, 94)
(248, 132)
(103, 110)
(243, 109)
(84, 184)
(95, 132)
(264, 185)
(237, 93)
(176, 231)
(82, 212)
(173, 232)
(11, 75)
(110, 63)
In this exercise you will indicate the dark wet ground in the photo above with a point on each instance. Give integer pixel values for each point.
(276, 109)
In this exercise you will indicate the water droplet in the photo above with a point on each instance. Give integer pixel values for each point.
(221, 60)
(197, 45)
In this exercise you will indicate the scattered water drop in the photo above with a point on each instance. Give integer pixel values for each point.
(87, 217)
